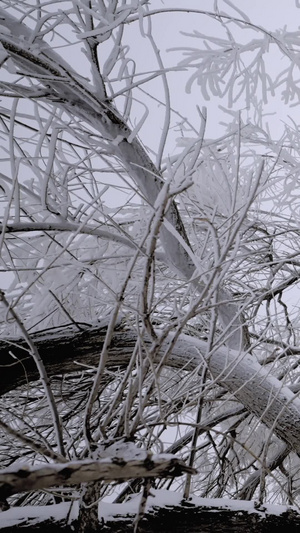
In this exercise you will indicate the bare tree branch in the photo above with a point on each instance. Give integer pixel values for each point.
(115, 469)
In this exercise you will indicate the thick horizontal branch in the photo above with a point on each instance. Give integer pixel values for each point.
(65, 350)
(18, 227)
(112, 469)
(260, 393)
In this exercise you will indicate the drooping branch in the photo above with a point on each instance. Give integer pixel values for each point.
(64, 350)
(65, 226)
(239, 373)
(73, 94)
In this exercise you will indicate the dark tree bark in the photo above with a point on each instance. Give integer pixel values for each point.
(184, 518)
(63, 348)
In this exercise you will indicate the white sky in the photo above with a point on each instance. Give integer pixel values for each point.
(271, 14)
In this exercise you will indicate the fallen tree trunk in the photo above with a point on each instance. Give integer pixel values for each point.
(162, 516)
(64, 351)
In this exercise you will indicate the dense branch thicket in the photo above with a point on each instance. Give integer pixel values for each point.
(149, 272)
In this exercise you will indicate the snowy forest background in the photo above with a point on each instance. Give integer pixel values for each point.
(149, 253)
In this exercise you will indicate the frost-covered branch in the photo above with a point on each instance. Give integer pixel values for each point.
(261, 393)
(25, 478)
(69, 92)
(21, 227)
(114, 204)
(34, 353)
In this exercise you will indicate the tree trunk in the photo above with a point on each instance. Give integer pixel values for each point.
(182, 518)
(238, 372)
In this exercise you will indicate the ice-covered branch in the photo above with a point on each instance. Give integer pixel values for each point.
(66, 350)
(20, 227)
(77, 97)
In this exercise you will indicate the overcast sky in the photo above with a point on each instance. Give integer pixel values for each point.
(167, 28)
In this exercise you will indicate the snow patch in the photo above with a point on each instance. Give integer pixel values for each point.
(116, 511)
(34, 514)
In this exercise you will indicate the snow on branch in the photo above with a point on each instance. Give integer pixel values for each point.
(76, 96)
(65, 351)
(117, 469)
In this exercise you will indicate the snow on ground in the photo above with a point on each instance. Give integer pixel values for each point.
(35, 514)
(109, 511)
